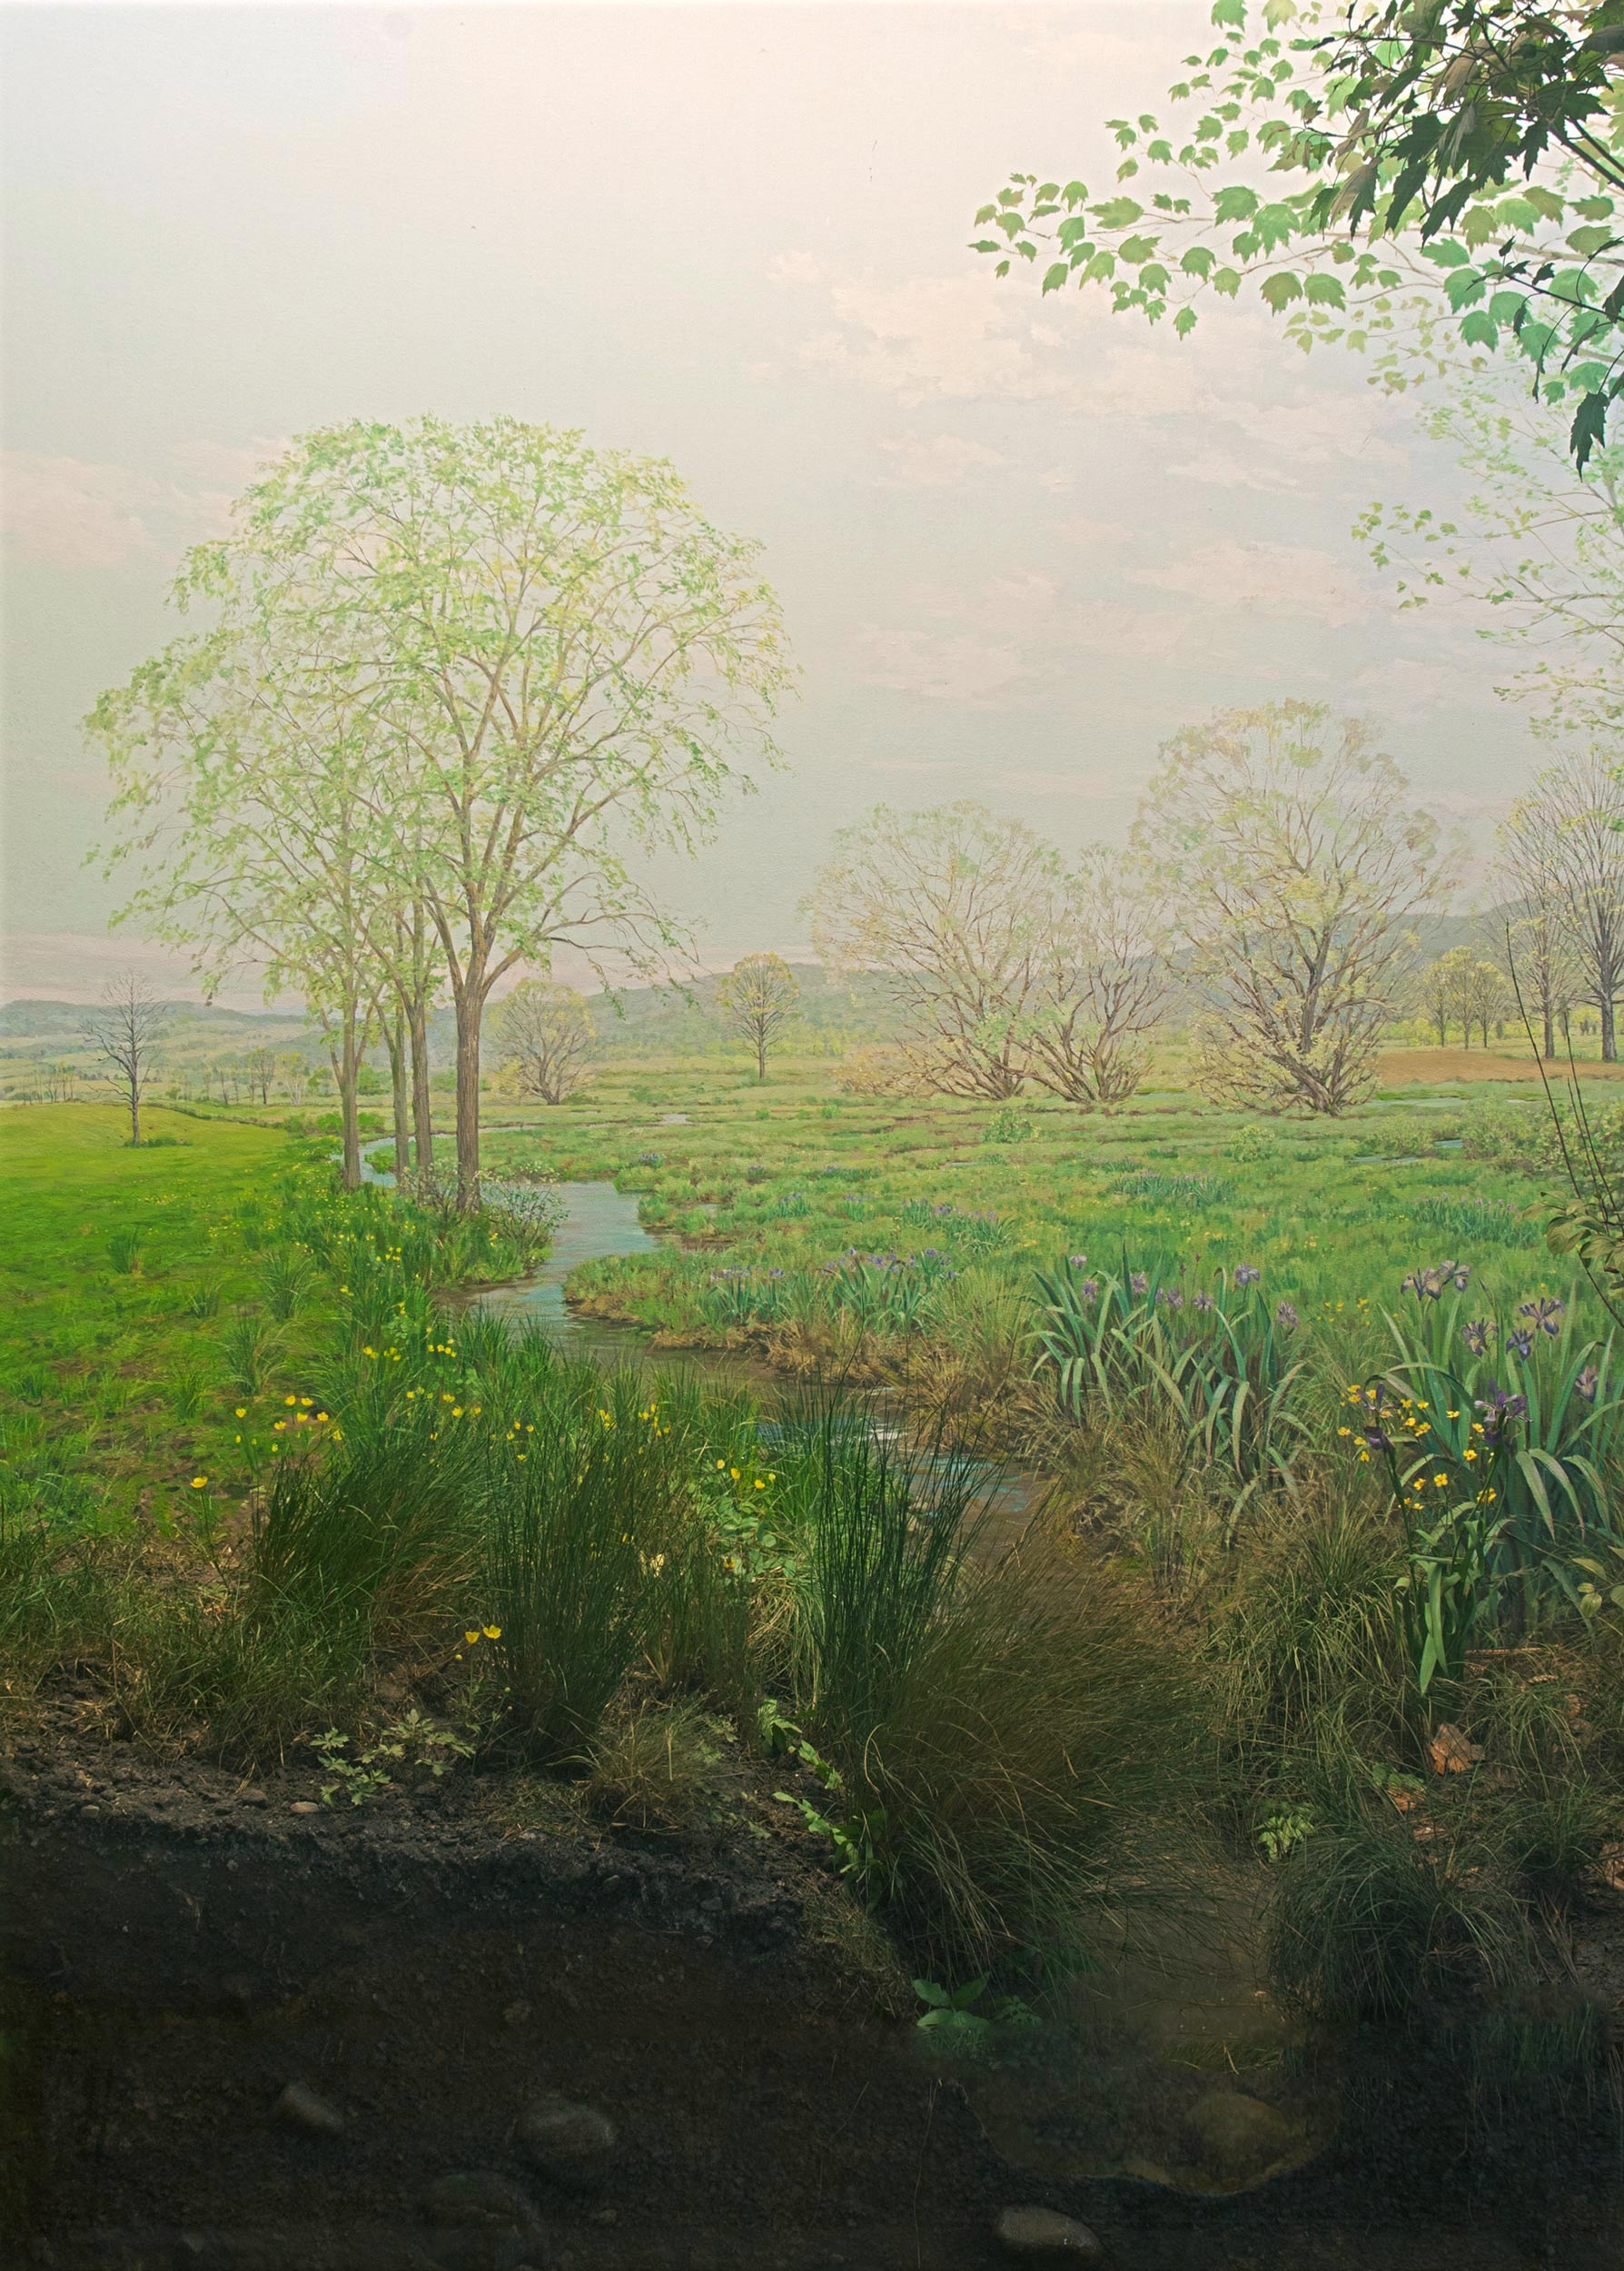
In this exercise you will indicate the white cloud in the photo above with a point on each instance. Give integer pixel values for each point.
(1087, 788)
(1290, 580)
(797, 268)
(940, 462)
(966, 667)
(70, 514)
(942, 338)
(1220, 469)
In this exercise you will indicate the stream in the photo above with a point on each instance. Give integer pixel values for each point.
(1162, 2040)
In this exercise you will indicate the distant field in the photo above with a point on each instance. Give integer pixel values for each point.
(793, 1176)
(1397, 1068)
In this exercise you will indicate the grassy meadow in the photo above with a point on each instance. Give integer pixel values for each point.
(1305, 1540)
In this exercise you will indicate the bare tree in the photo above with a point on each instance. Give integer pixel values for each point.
(759, 995)
(1103, 983)
(1570, 827)
(1292, 864)
(546, 1034)
(127, 1030)
(953, 907)
(1484, 996)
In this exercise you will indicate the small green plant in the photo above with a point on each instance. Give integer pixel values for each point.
(188, 1391)
(250, 1346)
(1280, 1833)
(286, 1279)
(1007, 1125)
(202, 1298)
(409, 1748)
(951, 2014)
(123, 1253)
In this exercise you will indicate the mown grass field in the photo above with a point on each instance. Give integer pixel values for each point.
(119, 1269)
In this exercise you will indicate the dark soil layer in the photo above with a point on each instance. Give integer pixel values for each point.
(177, 1949)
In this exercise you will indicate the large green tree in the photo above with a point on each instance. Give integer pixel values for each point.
(1471, 145)
(548, 661)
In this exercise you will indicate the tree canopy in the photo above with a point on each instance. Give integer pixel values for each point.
(1471, 147)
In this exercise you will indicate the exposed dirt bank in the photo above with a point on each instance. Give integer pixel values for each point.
(178, 1949)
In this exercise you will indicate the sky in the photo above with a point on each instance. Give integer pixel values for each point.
(1019, 542)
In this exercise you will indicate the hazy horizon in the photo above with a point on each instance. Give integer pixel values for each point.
(1018, 541)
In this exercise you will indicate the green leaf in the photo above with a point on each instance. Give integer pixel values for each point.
(1280, 291)
(1183, 322)
(1236, 203)
(1463, 286)
(1479, 329)
(1230, 12)
(1199, 260)
(1121, 212)
(1325, 291)
(1054, 277)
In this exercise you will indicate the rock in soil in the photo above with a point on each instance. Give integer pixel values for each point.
(301, 2108)
(489, 2211)
(1236, 2138)
(571, 2144)
(1043, 2235)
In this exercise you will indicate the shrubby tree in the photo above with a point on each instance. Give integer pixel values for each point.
(759, 996)
(1291, 865)
(1464, 145)
(128, 1029)
(546, 1037)
(1102, 983)
(1571, 826)
(952, 906)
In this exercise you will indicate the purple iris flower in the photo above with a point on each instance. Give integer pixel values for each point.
(1090, 1289)
(1500, 1407)
(1522, 1343)
(1170, 1296)
(1588, 1381)
(1476, 1333)
(1547, 1313)
(1203, 1302)
(1247, 1275)
(1078, 1261)
(1285, 1314)
(1138, 1282)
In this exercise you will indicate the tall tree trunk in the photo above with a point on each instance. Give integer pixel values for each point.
(1609, 1046)
(136, 1114)
(760, 1056)
(394, 1033)
(345, 1061)
(422, 1102)
(471, 1012)
(1547, 1033)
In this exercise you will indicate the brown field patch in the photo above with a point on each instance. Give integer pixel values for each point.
(1395, 1067)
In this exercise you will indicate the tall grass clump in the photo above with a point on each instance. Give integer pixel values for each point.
(1001, 1728)
(579, 1499)
(1367, 1925)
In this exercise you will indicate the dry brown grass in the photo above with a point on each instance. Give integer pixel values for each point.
(1397, 1067)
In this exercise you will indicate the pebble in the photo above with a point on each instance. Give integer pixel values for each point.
(569, 2143)
(300, 2106)
(478, 2199)
(1236, 2137)
(304, 1806)
(1045, 2235)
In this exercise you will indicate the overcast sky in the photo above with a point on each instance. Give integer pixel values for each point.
(1018, 542)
